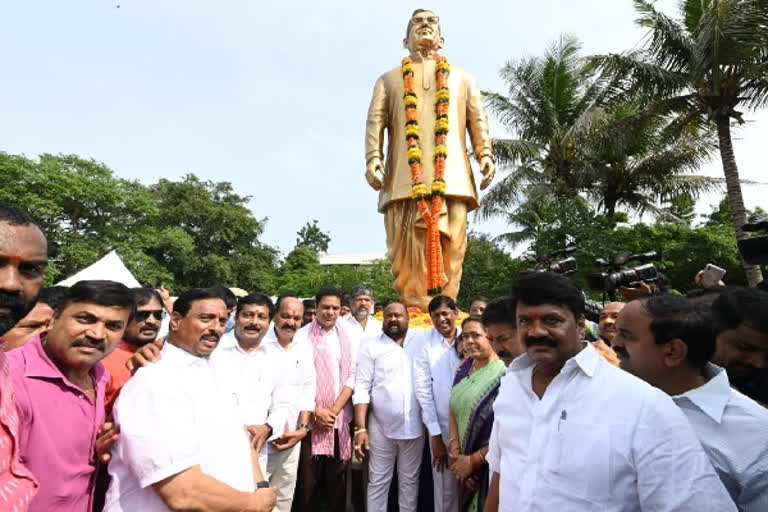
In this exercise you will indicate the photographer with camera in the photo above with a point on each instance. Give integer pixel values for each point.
(631, 282)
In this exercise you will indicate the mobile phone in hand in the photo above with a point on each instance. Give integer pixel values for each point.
(712, 275)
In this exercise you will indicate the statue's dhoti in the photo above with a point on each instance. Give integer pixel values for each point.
(406, 244)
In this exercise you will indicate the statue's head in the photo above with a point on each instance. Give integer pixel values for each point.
(423, 31)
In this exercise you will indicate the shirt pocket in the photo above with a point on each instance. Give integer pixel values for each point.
(581, 466)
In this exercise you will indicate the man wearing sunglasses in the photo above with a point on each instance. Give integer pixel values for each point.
(141, 330)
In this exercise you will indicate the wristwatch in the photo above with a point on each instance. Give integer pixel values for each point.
(305, 426)
(262, 485)
(269, 432)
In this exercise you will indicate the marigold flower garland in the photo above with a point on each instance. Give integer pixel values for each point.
(419, 191)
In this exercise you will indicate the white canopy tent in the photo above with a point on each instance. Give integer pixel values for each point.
(110, 268)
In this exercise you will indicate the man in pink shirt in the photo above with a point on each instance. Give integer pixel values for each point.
(23, 256)
(60, 385)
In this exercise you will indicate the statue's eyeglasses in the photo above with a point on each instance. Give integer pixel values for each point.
(432, 20)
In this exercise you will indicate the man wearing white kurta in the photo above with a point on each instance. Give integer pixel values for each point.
(182, 444)
(295, 371)
(243, 366)
(392, 432)
(359, 323)
(572, 432)
(433, 373)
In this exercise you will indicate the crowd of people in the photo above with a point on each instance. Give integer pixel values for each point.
(246, 404)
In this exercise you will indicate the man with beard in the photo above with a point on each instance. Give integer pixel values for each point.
(38, 318)
(573, 432)
(499, 321)
(142, 329)
(295, 371)
(741, 320)
(434, 371)
(392, 433)
(359, 322)
(60, 385)
(325, 453)
(23, 257)
(607, 321)
(666, 341)
(183, 445)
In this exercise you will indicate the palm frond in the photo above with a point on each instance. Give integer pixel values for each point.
(669, 45)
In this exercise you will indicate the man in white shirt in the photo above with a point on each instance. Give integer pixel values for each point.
(392, 432)
(359, 322)
(182, 444)
(295, 371)
(243, 364)
(572, 432)
(325, 453)
(666, 341)
(434, 371)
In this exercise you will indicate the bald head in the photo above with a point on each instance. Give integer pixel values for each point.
(288, 318)
(395, 321)
(608, 317)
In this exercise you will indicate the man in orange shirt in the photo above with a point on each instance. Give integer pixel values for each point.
(141, 330)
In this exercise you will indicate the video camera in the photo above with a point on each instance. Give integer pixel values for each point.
(754, 250)
(615, 274)
(565, 266)
(544, 263)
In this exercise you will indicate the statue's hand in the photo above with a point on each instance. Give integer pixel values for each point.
(488, 170)
(374, 166)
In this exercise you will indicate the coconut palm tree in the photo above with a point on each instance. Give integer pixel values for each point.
(710, 61)
(548, 107)
(573, 140)
(637, 158)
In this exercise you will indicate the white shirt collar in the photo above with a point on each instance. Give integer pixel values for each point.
(180, 357)
(712, 397)
(587, 360)
(229, 342)
(438, 336)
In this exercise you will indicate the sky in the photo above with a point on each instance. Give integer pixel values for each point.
(270, 96)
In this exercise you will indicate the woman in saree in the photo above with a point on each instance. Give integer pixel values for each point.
(471, 417)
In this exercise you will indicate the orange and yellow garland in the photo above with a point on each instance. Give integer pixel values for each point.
(419, 191)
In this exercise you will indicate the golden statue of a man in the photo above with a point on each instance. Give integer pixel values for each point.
(406, 227)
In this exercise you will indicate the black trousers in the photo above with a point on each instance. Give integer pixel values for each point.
(320, 479)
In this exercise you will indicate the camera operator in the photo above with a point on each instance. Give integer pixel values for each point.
(644, 289)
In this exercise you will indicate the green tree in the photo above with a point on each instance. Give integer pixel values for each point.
(682, 208)
(85, 211)
(300, 273)
(313, 237)
(708, 63)
(574, 140)
(180, 234)
(488, 269)
(548, 108)
(223, 231)
(637, 158)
